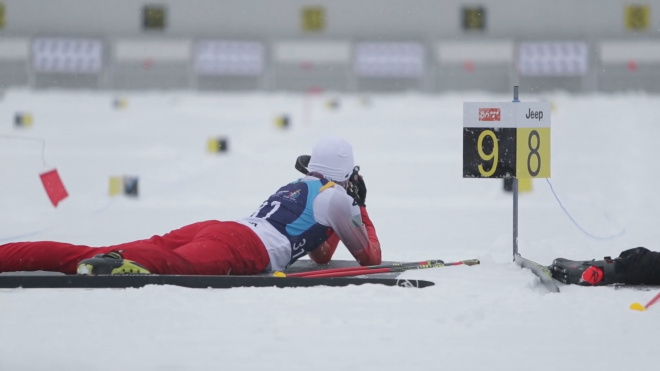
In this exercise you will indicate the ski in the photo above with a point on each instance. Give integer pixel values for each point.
(540, 271)
(215, 282)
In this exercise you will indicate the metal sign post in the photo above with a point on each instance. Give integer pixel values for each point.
(514, 190)
(509, 141)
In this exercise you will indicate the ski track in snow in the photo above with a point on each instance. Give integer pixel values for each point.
(494, 316)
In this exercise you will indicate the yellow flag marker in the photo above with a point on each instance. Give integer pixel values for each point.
(116, 185)
(282, 122)
(637, 306)
(214, 145)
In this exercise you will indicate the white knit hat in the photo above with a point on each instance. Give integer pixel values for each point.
(333, 158)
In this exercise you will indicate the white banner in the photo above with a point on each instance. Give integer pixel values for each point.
(506, 114)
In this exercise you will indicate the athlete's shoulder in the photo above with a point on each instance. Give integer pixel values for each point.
(329, 193)
(332, 189)
(336, 199)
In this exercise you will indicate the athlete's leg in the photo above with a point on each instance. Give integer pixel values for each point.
(212, 247)
(44, 255)
(225, 248)
(173, 239)
(64, 257)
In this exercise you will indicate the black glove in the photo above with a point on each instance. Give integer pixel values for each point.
(356, 188)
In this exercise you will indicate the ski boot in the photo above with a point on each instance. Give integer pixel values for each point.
(110, 263)
(586, 272)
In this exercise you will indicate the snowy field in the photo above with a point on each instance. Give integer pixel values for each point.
(494, 316)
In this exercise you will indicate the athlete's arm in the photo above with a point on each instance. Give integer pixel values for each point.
(371, 255)
(334, 208)
(323, 253)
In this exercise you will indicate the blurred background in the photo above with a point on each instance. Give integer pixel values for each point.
(213, 100)
(346, 46)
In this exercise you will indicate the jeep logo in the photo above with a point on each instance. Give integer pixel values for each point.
(534, 115)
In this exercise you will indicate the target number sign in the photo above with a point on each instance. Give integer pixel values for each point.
(503, 140)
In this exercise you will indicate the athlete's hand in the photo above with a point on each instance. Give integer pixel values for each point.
(357, 189)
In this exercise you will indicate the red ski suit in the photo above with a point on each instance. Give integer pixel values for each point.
(305, 217)
(206, 248)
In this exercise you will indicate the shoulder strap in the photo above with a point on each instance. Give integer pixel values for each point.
(329, 184)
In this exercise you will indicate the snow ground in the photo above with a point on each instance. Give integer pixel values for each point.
(495, 316)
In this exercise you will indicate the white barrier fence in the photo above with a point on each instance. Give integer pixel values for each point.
(303, 63)
(67, 55)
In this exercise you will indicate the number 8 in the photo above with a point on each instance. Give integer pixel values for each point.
(534, 152)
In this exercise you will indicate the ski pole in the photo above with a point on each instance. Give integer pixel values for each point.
(360, 268)
(638, 306)
(386, 268)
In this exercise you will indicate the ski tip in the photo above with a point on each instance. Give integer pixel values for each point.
(637, 306)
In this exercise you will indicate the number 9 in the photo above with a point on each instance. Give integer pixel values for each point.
(490, 156)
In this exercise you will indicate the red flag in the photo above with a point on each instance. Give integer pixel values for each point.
(54, 187)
